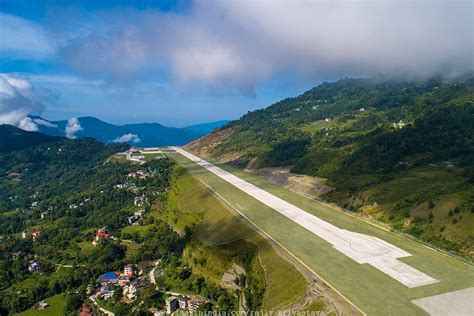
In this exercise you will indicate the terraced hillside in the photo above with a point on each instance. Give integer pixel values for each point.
(397, 152)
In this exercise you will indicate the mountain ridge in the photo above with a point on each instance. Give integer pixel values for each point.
(140, 134)
(13, 138)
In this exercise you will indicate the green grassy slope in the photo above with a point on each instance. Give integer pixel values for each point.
(57, 303)
(361, 284)
(221, 238)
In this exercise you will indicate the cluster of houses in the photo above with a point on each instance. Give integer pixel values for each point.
(139, 174)
(74, 206)
(129, 281)
(184, 302)
(129, 186)
(399, 125)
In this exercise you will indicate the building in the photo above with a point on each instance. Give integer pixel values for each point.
(133, 151)
(100, 236)
(41, 305)
(107, 291)
(171, 304)
(128, 270)
(139, 201)
(36, 234)
(195, 302)
(24, 234)
(135, 217)
(34, 266)
(130, 291)
(123, 280)
(109, 278)
(183, 302)
(44, 214)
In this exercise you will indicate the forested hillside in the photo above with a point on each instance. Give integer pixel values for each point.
(399, 152)
(70, 214)
(53, 197)
(12, 138)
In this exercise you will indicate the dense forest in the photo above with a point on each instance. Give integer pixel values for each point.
(398, 151)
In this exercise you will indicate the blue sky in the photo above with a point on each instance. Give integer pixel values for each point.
(186, 62)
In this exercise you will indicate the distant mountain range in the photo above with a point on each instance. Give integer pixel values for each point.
(142, 134)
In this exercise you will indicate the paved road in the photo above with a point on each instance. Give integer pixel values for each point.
(359, 247)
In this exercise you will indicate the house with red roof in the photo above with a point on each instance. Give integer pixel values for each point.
(100, 236)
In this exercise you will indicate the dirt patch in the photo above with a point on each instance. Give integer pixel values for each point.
(230, 277)
(204, 146)
(307, 185)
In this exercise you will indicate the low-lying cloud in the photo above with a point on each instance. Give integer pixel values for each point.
(18, 99)
(128, 138)
(27, 124)
(238, 44)
(73, 126)
(42, 122)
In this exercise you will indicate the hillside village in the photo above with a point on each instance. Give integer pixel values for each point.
(137, 283)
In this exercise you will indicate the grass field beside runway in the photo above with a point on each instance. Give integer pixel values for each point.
(191, 204)
(370, 289)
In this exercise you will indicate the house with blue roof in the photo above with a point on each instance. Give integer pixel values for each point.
(109, 277)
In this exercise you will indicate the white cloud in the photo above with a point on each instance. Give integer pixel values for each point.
(128, 138)
(39, 121)
(238, 44)
(64, 80)
(18, 99)
(73, 126)
(23, 38)
(27, 124)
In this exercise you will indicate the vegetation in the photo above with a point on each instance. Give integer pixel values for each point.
(364, 135)
(63, 189)
(57, 306)
(67, 189)
(15, 139)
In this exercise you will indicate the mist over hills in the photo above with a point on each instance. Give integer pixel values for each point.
(140, 134)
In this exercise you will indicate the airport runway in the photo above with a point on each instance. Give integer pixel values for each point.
(359, 247)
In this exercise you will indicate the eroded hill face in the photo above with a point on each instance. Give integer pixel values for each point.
(397, 152)
(209, 146)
